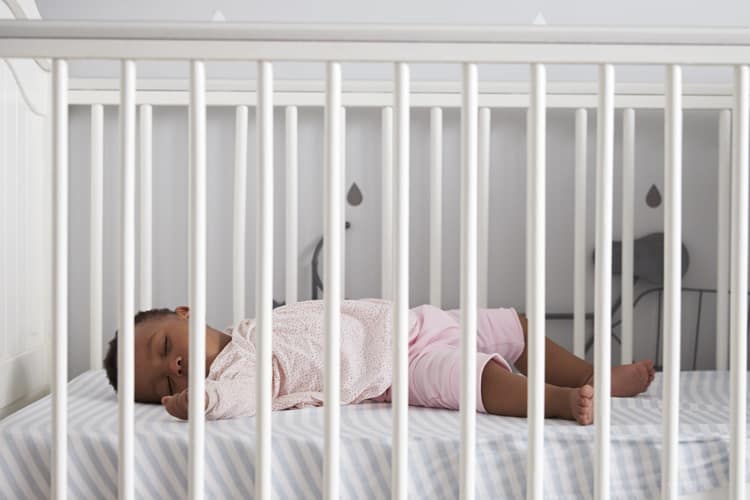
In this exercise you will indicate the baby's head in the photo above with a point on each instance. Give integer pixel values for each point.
(161, 354)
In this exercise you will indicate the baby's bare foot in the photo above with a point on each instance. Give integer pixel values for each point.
(582, 404)
(633, 379)
(630, 380)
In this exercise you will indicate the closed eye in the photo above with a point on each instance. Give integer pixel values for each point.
(169, 381)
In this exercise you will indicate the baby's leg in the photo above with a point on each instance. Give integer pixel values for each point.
(560, 366)
(504, 393)
(563, 368)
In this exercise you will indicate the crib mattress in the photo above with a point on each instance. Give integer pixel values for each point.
(161, 447)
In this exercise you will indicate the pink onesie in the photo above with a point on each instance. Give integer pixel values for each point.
(366, 357)
(435, 353)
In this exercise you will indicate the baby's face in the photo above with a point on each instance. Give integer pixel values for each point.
(161, 357)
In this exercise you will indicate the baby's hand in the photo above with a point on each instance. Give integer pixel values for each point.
(177, 405)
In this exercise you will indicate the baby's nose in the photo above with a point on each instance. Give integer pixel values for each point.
(176, 365)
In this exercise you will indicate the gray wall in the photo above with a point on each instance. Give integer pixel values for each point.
(507, 205)
(363, 167)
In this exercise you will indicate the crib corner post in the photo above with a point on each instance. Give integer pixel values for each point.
(739, 286)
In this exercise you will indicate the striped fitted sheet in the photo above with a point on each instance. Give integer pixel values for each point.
(161, 446)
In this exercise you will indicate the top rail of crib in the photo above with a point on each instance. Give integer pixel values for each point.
(374, 43)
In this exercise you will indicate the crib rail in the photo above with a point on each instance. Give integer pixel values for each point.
(379, 94)
(403, 45)
(344, 43)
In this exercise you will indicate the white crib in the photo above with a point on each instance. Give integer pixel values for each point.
(402, 46)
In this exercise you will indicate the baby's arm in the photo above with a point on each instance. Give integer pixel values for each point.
(230, 397)
(227, 398)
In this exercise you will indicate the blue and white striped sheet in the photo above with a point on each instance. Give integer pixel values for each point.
(434, 445)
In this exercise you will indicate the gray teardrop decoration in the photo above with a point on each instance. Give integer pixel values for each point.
(354, 197)
(653, 197)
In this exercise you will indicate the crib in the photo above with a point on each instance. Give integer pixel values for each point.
(401, 46)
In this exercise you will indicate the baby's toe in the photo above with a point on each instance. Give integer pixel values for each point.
(586, 392)
(585, 405)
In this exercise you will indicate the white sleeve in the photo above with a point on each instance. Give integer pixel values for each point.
(230, 397)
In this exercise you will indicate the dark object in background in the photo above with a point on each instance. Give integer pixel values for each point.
(317, 283)
(648, 265)
(648, 258)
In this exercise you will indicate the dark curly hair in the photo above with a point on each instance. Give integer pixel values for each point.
(110, 360)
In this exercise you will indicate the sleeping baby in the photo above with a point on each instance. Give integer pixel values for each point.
(161, 362)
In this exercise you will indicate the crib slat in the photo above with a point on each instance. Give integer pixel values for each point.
(483, 185)
(126, 329)
(529, 214)
(628, 173)
(264, 278)
(197, 371)
(535, 277)
(343, 202)
(291, 205)
(739, 247)
(672, 279)
(579, 264)
(468, 279)
(240, 210)
(97, 219)
(436, 206)
(722, 242)
(5, 213)
(332, 277)
(387, 212)
(59, 457)
(603, 279)
(399, 389)
(146, 213)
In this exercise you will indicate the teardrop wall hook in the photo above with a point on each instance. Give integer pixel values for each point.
(653, 197)
(354, 196)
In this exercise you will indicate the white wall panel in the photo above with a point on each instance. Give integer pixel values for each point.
(24, 233)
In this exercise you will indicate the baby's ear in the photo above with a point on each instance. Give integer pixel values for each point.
(183, 312)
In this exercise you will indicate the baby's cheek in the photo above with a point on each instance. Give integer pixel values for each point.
(141, 395)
